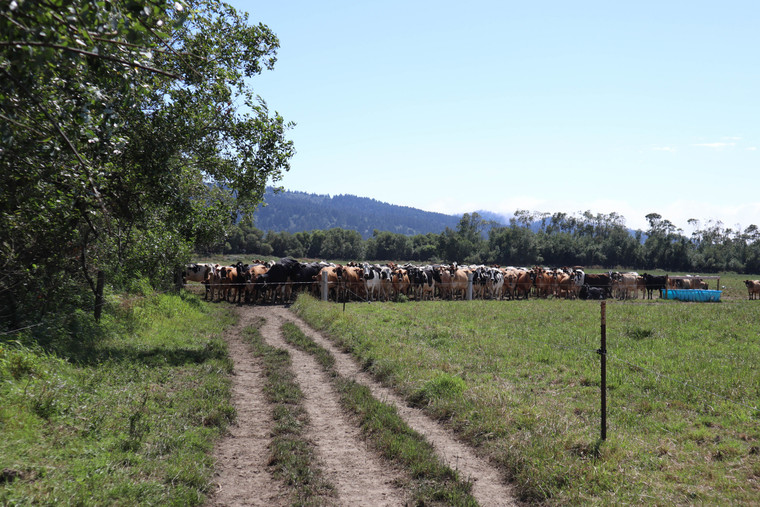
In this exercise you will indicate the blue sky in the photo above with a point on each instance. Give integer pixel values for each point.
(631, 107)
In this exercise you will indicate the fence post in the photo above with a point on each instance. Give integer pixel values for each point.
(469, 286)
(178, 278)
(603, 352)
(324, 285)
(99, 294)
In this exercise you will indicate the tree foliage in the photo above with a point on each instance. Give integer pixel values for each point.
(130, 135)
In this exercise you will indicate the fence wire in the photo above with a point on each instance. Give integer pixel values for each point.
(611, 354)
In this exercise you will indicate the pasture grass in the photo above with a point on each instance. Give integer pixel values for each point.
(121, 412)
(292, 457)
(520, 381)
(433, 483)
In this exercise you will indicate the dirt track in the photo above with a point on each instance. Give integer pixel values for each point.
(359, 475)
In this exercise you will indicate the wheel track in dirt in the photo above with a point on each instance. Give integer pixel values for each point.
(360, 476)
(241, 457)
(488, 487)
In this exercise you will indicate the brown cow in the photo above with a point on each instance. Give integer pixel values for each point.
(543, 281)
(213, 281)
(443, 281)
(641, 285)
(523, 283)
(753, 287)
(459, 282)
(352, 282)
(232, 282)
(333, 281)
(252, 289)
(567, 286)
(400, 282)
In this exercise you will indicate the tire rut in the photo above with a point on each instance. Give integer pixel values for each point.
(359, 475)
(241, 457)
(489, 489)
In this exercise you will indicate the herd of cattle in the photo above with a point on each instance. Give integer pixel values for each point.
(270, 281)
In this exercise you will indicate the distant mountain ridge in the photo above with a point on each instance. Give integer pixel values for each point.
(294, 211)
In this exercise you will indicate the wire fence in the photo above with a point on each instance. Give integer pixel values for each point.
(585, 345)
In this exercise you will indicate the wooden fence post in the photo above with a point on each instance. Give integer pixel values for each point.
(99, 294)
(603, 352)
(179, 281)
(469, 286)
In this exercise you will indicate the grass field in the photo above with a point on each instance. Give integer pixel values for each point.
(521, 381)
(125, 412)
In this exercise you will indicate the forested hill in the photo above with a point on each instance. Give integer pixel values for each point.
(300, 211)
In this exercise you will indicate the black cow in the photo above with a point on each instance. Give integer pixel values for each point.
(279, 277)
(422, 280)
(303, 276)
(588, 292)
(601, 281)
(654, 282)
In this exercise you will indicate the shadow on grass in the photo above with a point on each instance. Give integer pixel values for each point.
(159, 356)
(77, 338)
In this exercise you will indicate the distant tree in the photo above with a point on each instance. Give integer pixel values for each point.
(384, 245)
(425, 247)
(620, 248)
(513, 245)
(317, 238)
(558, 248)
(253, 239)
(466, 244)
(285, 244)
(665, 246)
(342, 244)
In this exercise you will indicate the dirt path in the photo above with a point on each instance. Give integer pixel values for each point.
(488, 488)
(360, 477)
(241, 457)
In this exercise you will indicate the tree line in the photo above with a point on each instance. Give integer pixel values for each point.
(558, 239)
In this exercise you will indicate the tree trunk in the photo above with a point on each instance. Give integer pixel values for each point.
(99, 295)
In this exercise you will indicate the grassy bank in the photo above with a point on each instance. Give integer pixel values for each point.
(520, 381)
(125, 411)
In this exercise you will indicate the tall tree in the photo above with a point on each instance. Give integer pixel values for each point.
(130, 133)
